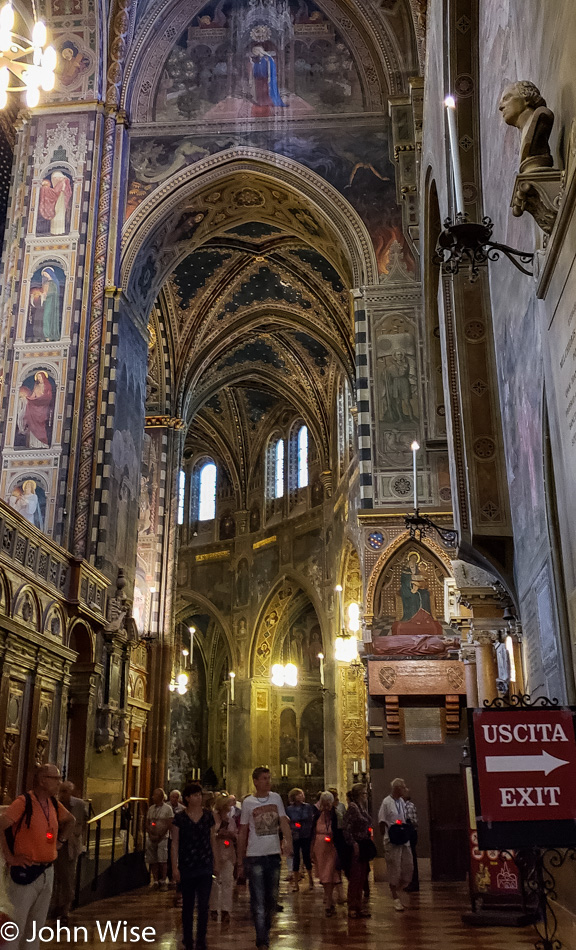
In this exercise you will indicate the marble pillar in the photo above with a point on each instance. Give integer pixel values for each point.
(486, 669)
(468, 657)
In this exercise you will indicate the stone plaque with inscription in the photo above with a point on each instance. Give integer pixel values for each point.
(415, 677)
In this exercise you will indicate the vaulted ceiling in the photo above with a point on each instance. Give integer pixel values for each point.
(261, 332)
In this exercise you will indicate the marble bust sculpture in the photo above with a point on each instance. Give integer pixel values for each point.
(522, 106)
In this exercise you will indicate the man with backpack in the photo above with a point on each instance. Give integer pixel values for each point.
(32, 830)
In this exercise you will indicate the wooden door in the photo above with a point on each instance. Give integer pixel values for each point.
(448, 827)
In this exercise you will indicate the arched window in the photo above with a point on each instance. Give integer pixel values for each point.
(207, 492)
(302, 457)
(279, 469)
(181, 494)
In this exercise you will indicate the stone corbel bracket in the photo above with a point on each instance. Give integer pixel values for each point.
(538, 192)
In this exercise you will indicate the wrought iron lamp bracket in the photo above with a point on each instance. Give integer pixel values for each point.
(469, 243)
(418, 525)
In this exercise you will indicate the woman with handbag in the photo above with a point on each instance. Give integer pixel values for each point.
(358, 834)
(324, 836)
(396, 833)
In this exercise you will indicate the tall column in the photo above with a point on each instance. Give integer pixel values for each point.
(485, 665)
(169, 433)
(468, 657)
(519, 683)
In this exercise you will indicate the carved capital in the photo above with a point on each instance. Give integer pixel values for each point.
(468, 653)
(538, 193)
(485, 637)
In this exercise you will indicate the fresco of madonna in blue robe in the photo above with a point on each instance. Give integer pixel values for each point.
(266, 94)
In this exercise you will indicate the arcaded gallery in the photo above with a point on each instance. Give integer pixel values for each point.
(288, 474)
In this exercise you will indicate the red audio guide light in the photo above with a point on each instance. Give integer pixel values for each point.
(226, 844)
(297, 824)
(327, 838)
(49, 836)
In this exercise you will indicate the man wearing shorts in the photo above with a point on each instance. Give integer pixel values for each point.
(399, 862)
(158, 822)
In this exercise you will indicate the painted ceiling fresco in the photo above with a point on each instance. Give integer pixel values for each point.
(278, 76)
(355, 162)
(232, 64)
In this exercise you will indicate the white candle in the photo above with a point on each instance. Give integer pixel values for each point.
(232, 678)
(355, 767)
(321, 658)
(192, 632)
(415, 448)
(363, 765)
(450, 104)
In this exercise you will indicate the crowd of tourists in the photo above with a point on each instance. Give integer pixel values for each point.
(205, 846)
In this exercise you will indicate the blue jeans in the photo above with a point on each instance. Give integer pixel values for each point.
(264, 880)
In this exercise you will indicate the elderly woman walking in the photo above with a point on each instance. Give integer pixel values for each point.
(324, 837)
(226, 833)
(358, 835)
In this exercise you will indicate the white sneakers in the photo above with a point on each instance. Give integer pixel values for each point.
(397, 904)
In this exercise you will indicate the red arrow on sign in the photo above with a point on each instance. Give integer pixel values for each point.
(524, 763)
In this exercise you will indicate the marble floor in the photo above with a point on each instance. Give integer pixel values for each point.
(431, 921)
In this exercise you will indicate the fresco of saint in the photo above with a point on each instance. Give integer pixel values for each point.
(45, 307)
(36, 400)
(28, 499)
(55, 198)
(265, 92)
(72, 64)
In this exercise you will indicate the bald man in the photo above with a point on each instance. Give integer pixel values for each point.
(38, 826)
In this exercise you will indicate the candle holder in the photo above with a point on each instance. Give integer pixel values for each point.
(418, 525)
(469, 243)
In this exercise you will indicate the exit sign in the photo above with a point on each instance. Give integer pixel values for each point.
(525, 764)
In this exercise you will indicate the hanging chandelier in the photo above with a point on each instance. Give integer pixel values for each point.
(30, 62)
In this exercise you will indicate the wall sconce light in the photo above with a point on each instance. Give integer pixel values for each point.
(464, 242)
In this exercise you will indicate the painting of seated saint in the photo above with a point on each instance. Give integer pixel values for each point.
(34, 421)
(54, 203)
(72, 64)
(28, 498)
(44, 323)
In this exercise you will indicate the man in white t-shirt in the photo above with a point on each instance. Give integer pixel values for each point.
(158, 824)
(399, 862)
(259, 851)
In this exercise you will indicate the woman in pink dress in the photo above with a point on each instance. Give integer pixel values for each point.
(324, 834)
